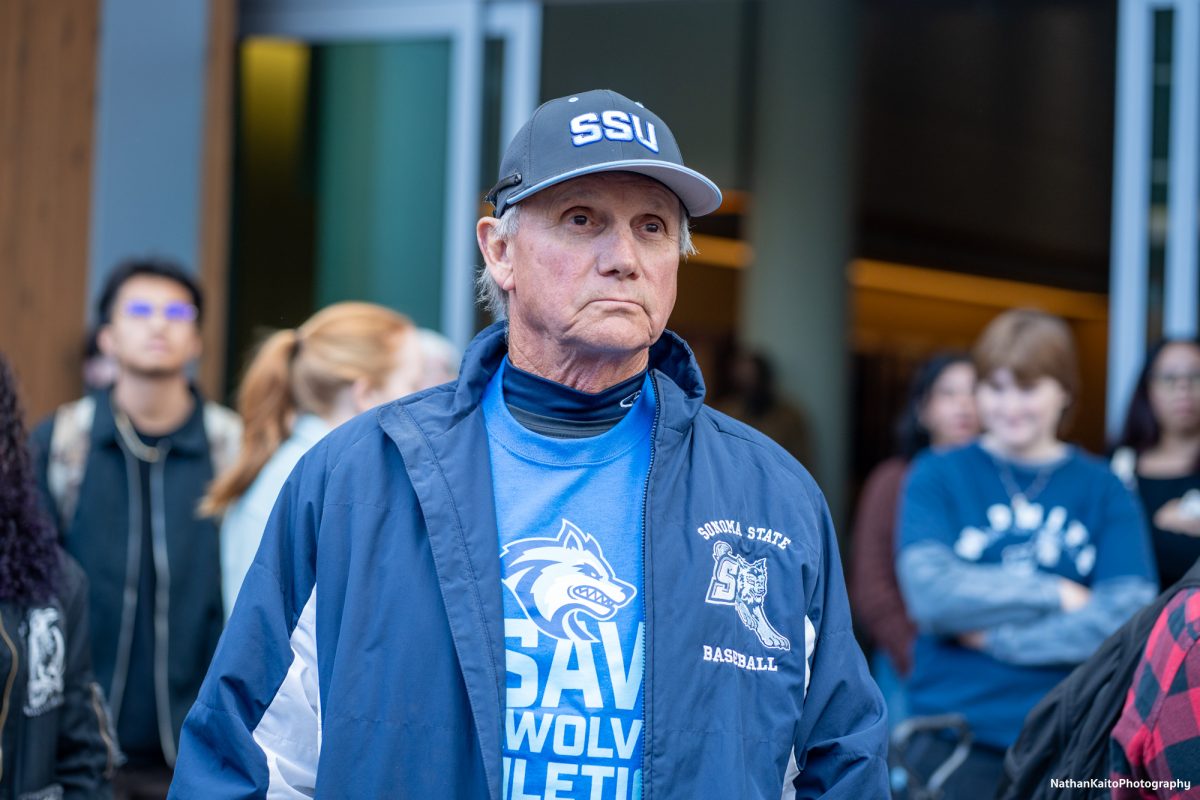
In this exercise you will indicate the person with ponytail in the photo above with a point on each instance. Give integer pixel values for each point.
(54, 730)
(301, 384)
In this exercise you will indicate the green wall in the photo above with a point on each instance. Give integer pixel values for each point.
(381, 175)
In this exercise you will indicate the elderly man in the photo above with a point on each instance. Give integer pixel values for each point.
(560, 576)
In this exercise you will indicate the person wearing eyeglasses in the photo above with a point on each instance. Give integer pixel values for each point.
(1158, 454)
(122, 472)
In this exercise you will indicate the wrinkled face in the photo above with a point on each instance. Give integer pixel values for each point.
(1174, 388)
(593, 265)
(1020, 416)
(152, 328)
(949, 411)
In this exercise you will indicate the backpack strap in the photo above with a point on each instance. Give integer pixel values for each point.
(70, 441)
(224, 431)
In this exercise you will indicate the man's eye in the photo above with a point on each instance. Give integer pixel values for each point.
(579, 219)
(653, 227)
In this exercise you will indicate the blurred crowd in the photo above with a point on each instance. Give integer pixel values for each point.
(990, 558)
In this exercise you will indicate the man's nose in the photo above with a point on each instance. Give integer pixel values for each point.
(620, 256)
(158, 320)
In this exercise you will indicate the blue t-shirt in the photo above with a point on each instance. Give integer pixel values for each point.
(1079, 522)
(569, 512)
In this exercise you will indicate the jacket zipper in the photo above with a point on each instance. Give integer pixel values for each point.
(645, 605)
(8, 687)
(133, 568)
(102, 722)
(162, 602)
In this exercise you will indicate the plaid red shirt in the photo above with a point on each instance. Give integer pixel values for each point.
(1157, 737)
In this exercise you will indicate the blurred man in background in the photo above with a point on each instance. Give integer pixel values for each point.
(122, 471)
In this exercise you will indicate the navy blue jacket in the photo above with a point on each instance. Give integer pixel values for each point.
(104, 532)
(373, 615)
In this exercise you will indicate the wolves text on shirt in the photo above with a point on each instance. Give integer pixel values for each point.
(587, 747)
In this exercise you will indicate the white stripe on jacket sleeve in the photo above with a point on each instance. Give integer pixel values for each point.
(810, 646)
(289, 732)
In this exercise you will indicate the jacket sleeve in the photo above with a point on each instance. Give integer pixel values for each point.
(255, 729)
(86, 753)
(840, 749)
(874, 592)
(948, 596)
(1070, 638)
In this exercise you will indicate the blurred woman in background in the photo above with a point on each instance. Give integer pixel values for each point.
(303, 383)
(1018, 554)
(939, 413)
(55, 739)
(1158, 455)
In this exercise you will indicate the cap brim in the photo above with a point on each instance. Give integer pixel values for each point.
(699, 195)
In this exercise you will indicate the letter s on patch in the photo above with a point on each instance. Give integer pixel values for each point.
(586, 129)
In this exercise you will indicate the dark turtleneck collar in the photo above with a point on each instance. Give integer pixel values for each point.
(553, 409)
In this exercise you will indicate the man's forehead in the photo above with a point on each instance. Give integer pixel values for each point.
(157, 286)
(596, 186)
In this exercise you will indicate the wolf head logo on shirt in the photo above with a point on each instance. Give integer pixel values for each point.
(558, 580)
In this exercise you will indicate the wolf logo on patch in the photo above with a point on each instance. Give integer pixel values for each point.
(557, 581)
(47, 661)
(743, 584)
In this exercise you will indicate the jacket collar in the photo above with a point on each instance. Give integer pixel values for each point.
(189, 439)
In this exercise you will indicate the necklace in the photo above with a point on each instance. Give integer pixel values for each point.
(1016, 494)
(133, 444)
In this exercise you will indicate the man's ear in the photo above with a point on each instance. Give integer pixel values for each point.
(105, 342)
(496, 252)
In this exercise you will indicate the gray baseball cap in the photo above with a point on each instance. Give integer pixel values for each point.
(597, 131)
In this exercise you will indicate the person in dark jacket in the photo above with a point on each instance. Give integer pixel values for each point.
(560, 575)
(1124, 723)
(1154, 750)
(54, 738)
(123, 472)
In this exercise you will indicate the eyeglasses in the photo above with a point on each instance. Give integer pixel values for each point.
(174, 311)
(1178, 380)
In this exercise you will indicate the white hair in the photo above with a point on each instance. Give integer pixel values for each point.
(495, 300)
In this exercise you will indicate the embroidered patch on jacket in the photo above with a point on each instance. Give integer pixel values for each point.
(52, 792)
(46, 646)
(557, 581)
(743, 584)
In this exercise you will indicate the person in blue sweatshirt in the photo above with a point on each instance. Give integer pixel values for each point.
(1018, 554)
(560, 576)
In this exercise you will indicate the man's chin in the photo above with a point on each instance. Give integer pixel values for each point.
(153, 372)
(619, 342)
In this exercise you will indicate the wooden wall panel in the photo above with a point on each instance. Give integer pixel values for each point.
(217, 191)
(47, 79)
